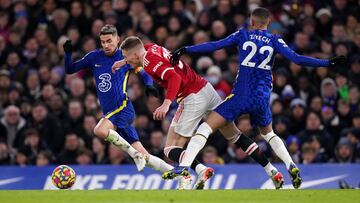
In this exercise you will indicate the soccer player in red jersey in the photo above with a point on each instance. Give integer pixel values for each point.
(196, 98)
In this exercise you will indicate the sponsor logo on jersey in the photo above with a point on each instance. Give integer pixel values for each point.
(157, 66)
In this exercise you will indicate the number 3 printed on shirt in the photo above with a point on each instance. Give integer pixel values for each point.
(105, 84)
(253, 50)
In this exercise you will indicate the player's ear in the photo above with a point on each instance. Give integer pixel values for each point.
(268, 21)
(252, 21)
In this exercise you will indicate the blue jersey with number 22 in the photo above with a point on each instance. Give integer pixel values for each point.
(252, 89)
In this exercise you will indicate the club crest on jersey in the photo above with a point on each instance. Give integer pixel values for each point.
(105, 84)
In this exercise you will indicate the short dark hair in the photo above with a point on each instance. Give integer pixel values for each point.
(262, 13)
(130, 42)
(108, 30)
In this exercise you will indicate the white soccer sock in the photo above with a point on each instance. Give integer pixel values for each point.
(158, 164)
(279, 148)
(120, 142)
(196, 143)
(268, 168)
(199, 168)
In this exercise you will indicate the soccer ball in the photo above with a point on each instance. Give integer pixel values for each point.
(63, 177)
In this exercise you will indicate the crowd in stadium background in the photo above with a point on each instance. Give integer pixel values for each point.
(48, 117)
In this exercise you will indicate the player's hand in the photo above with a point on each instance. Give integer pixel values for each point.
(337, 61)
(68, 47)
(161, 111)
(151, 90)
(175, 56)
(117, 65)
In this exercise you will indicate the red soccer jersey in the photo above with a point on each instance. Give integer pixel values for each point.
(157, 65)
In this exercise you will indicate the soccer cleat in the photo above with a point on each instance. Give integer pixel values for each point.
(140, 161)
(294, 172)
(277, 179)
(203, 176)
(176, 171)
(185, 183)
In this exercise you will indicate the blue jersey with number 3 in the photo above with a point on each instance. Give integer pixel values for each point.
(110, 87)
(257, 50)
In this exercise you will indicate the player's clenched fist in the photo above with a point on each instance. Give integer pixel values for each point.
(175, 56)
(161, 111)
(68, 47)
(117, 65)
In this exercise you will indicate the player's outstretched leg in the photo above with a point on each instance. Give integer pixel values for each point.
(175, 153)
(104, 130)
(252, 149)
(152, 161)
(280, 150)
(160, 165)
(139, 159)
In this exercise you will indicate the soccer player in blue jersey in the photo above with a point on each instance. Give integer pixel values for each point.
(253, 86)
(115, 126)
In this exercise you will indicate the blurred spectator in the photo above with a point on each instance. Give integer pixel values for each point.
(99, 149)
(354, 98)
(84, 157)
(329, 91)
(316, 104)
(331, 121)
(281, 125)
(15, 67)
(71, 149)
(77, 88)
(78, 18)
(13, 123)
(157, 143)
(210, 156)
(354, 137)
(342, 84)
(33, 88)
(87, 130)
(50, 130)
(293, 145)
(58, 24)
(297, 117)
(44, 158)
(75, 112)
(5, 158)
(344, 114)
(343, 151)
(5, 83)
(308, 154)
(20, 158)
(314, 128)
(214, 76)
(32, 145)
(116, 155)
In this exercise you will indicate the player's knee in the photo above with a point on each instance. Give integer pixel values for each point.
(101, 132)
(269, 136)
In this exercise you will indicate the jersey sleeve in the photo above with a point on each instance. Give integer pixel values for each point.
(231, 40)
(162, 68)
(159, 67)
(72, 67)
(282, 48)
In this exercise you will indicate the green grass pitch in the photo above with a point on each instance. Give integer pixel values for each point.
(174, 196)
